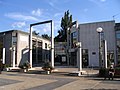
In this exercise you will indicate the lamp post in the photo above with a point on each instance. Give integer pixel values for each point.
(3, 57)
(99, 30)
(68, 41)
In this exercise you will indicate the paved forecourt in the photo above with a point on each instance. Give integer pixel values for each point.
(56, 81)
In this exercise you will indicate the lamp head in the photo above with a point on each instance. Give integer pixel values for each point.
(99, 29)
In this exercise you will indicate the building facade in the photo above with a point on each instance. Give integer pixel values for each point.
(60, 53)
(117, 32)
(89, 38)
(85, 33)
(20, 40)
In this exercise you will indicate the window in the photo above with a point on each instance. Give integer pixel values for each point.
(39, 44)
(73, 38)
(102, 35)
(45, 45)
(118, 34)
(85, 57)
(14, 40)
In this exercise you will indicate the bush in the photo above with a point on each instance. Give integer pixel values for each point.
(25, 65)
(47, 66)
(117, 72)
(103, 72)
(6, 65)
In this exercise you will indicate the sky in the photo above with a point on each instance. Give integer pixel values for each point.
(19, 14)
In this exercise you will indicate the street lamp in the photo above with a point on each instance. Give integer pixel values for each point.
(100, 30)
(68, 41)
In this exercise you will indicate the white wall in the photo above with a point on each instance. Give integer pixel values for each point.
(22, 48)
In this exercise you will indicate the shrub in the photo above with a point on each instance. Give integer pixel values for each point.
(103, 72)
(117, 72)
(47, 66)
(25, 65)
(6, 65)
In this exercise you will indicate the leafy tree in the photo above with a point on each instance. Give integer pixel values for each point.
(46, 36)
(35, 33)
(66, 22)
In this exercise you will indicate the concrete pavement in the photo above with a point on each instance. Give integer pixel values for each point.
(56, 81)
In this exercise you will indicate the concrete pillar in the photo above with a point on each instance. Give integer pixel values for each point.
(78, 40)
(79, 57)
(37, 50)
(30, 47)
(52, 44)
(3, 59)
(105, 53)
(13, 57)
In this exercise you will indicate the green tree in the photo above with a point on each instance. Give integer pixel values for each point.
(46, 36)
(35, 33)
(66, 22)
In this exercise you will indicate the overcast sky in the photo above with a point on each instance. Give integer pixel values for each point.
(19, 14)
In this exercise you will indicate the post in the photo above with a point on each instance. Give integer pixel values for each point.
(68, 46)
(78, 40)
(37, 50)
(13, 57)
(52, 44)
(100, 62)
(99, 30)
(30, 46)
(79, 57)
(105, 53)
(3, 56)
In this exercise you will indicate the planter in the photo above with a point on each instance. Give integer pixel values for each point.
(7, 69)
(23, 70)
(48, 72)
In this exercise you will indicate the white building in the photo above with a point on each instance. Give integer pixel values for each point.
(20, 40)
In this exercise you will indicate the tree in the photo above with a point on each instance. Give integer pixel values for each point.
(66, 22)
(46, 36)
(35, 33)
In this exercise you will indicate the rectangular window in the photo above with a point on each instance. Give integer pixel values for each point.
(14, 40)
(39, 44)
(73, 39)
(45, 45)
(118, 34)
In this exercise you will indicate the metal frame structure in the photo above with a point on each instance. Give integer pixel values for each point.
(52, 40)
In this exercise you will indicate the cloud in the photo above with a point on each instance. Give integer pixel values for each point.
(37, 12)
(97, 1)
(18, 24)
(52, 2)
(18, 16)
(47, 28)
(58, 14)
(42, 29)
